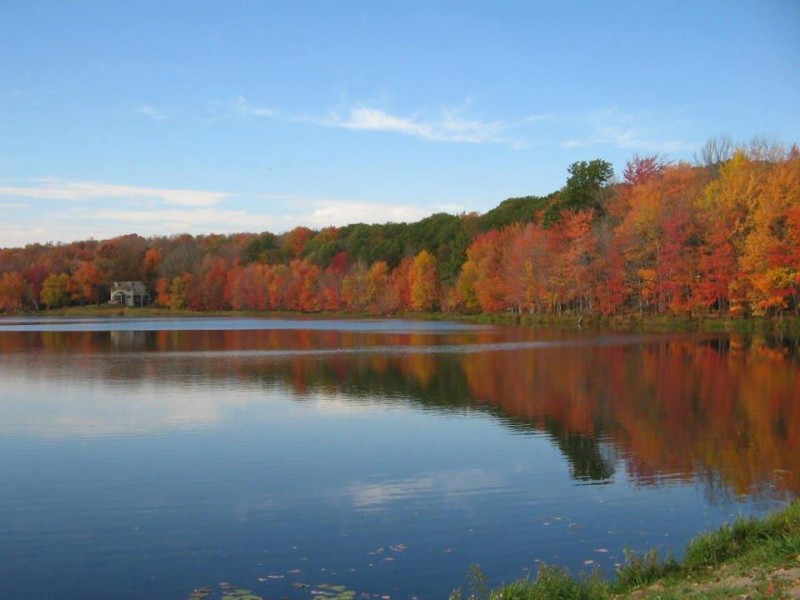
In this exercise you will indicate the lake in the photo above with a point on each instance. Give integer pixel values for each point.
(147, 458)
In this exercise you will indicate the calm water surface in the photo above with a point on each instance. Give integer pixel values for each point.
(147, 458)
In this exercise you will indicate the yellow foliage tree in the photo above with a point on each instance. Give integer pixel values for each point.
(423, 280)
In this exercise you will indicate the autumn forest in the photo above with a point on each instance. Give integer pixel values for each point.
(720, 236)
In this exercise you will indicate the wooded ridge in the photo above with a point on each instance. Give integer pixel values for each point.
(670, 238)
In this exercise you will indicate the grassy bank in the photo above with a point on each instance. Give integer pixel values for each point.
(651, 323)
(751, 558)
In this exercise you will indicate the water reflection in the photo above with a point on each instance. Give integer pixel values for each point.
(720, 409)
(447, 486)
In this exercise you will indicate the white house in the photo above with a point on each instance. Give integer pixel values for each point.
(129, 293)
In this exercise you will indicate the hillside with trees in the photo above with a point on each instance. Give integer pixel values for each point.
(721, 236)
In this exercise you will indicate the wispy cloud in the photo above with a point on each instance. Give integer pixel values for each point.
(447, 128)
(198, 220)
(62, 210)
(61, 189)
(151, 112)
(241, 106)
(637, 130)
(573, 144)
(450, 125)
(285, 213)
(343, 212)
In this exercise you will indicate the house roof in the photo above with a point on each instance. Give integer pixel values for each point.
(129, 286)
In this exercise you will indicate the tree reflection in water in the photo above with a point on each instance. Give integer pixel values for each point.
(719, 409)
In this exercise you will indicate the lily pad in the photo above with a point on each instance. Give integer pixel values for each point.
(200, 594)
(330, 591)
(240, 594)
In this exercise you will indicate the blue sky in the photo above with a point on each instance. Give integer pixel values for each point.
(165, 117)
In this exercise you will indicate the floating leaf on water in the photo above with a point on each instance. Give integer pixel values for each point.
(300, 586)
(200, 594)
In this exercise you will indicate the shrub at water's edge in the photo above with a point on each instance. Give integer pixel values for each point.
(750, 558)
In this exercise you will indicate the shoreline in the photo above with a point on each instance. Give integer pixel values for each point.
(613, 323)
(750, 558)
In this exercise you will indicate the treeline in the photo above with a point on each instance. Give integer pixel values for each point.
(722, 236)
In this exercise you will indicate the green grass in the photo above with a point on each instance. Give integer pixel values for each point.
(743, 558)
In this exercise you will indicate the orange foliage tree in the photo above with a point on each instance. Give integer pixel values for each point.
(13, 292)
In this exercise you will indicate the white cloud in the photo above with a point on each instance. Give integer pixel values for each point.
(290, 212)
(18, 235)
(79, 210)
(60, 189)
(628, 131)
(242, 107)
(448, 128)
(198, 220)
(339, 213)
(150, 112)
(61, 210)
